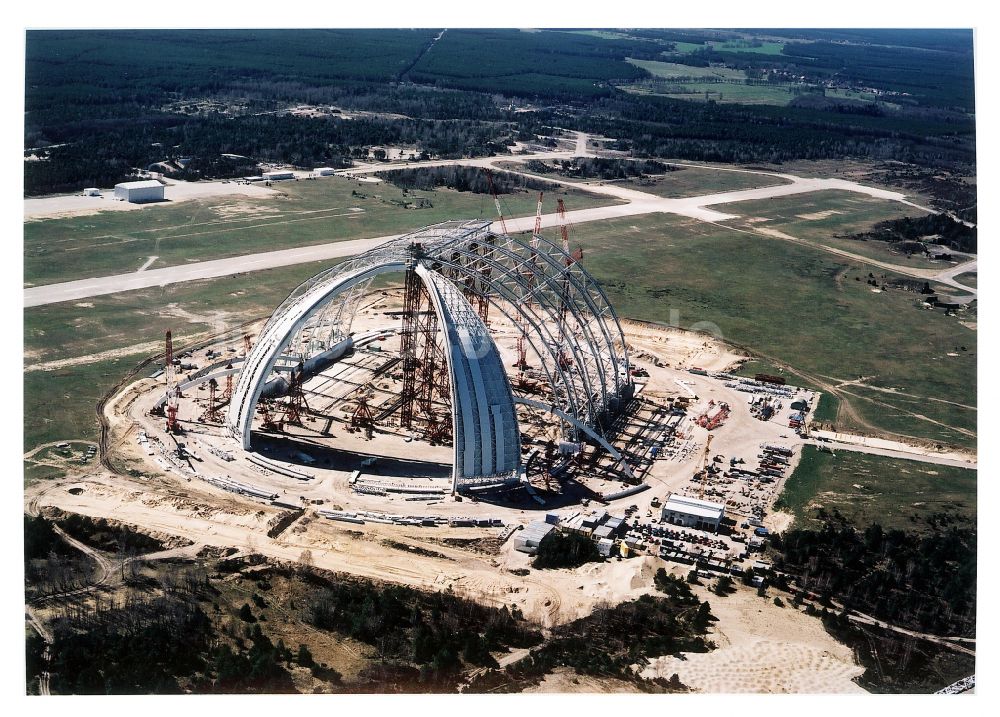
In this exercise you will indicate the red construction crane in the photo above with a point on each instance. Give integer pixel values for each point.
(496, 200)
(172, 392)
(538, 223)
(704, 467)
(563, 358)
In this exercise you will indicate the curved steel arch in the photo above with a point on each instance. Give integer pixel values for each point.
(563, 306)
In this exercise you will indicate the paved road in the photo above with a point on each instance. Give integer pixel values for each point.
(635, 203)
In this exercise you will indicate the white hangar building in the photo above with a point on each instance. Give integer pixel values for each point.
(693, 512)
(138, 192)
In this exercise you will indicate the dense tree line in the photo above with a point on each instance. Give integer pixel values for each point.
(609, 641)
(140, 647)
(87, 155)
(99, 533)
(464, 179)
(664, 127)
(601, 167)
(923, 582)
(931, 228)
(565, 550)
(40, 540)
(437, 632)
(93, 133)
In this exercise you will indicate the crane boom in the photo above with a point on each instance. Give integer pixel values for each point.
(496, 200)
(168, 374)
(538, 222)
(704, 466)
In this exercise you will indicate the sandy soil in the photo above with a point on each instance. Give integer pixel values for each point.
(763, 648)
(565, 680)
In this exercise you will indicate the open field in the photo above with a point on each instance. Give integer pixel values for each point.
(686, 181)
(867, 489)
(669, 70)
(968, 278)
(694, 181)
(800, 308)
(62, 405)
(826, 217)
(751, 278)
(304, 214)
(717, 92)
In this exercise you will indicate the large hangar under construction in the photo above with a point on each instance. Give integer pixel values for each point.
(455, 386)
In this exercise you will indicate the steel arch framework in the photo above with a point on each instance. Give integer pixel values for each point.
(565, 315)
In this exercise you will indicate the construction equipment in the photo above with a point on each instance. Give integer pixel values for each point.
(172, 390)
(496, 200)
(362, 416)
(562, 356)
(212, 414)
(538, 222)
(703, 470)
(227, 394)
(296, 403)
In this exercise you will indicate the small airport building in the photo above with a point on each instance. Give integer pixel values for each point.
(278, 175)
(324, 171)
(693, 513)
(138, 192)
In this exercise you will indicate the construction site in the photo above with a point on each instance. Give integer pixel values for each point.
(426, 413)
(461, 378)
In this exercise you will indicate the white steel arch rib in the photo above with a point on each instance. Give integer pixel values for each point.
(540, 284)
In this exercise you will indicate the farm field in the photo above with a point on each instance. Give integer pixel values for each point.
(869, 489)
(826, 218)
(303, 214)
(800, 309)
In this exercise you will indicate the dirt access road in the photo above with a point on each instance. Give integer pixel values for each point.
(636, 203)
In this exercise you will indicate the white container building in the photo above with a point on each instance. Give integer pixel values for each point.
(276, 175)
(324, 171)
(91, 192)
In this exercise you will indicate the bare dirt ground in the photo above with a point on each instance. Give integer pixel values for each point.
(74, 205)
(763, 648)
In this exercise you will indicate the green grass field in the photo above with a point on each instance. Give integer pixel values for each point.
(827, 217)
(305, 213)
(969, 278)
(765, 48)
(62, 405)
(791, 303)
(695, 181)
(685, 181)
(673, 69)
(717, 92)
(868, 489)
(799, 307)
